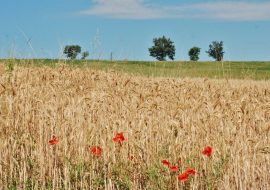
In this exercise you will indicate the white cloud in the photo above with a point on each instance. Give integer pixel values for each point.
(221, 10)
(239, 11)
(127, 9)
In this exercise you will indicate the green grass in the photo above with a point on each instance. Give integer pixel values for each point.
(228, 69)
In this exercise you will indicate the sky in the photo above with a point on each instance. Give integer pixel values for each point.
(126, 28)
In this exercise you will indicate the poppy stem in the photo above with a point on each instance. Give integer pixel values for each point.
(177, 184)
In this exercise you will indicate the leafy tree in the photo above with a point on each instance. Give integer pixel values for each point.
(72, 51)
(216, 50)
(162, 48)
(194, 53)
(85, 54)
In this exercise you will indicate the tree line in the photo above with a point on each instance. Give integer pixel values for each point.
(162, 49)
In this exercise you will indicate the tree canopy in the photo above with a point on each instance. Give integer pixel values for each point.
(72, 51)
(163, 47)
(85, 54)
(194, 53)
(216, 50)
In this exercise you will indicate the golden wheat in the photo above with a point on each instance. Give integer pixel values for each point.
(161, 119)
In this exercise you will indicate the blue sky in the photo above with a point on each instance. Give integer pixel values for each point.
(31, 28)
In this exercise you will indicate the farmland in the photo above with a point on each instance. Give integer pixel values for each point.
(61, 125)
(216, 70)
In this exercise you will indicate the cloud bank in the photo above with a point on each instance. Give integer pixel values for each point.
(141, 9)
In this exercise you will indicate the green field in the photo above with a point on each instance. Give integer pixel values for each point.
(228, 69)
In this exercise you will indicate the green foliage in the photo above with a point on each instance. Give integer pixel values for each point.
(120, 177)
(155, 179)
(216, 50)
(10, 65)
(194, 53)
(163, 47)
(218, 168)
(28, 184)
(98, 183)
(72, 51)
(13, 185)
(85, 54)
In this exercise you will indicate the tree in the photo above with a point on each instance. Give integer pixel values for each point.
(216, 50)
(162, 48)
(72, 51)
(194, 53)
(85, 54)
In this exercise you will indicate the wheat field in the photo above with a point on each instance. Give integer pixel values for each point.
(160, 118)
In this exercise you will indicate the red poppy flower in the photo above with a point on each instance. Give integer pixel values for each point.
(166, 163)
(95, 150)
(174, 168)
(119, 137)
(53, 141)
(190, 171)
(207, 151)
(183, 177)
